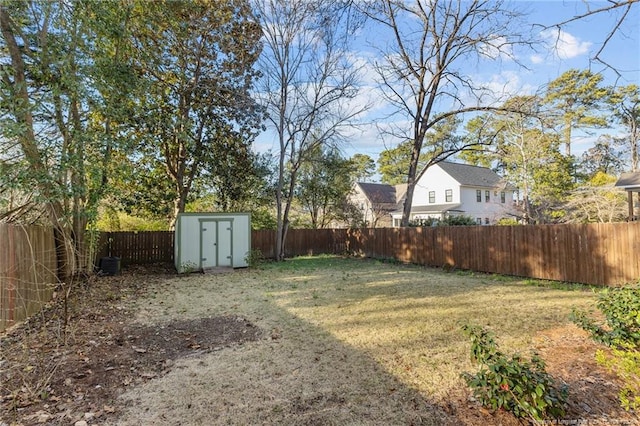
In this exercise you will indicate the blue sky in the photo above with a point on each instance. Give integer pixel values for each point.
(570, 47)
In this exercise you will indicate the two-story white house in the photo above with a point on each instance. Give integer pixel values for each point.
(449, 188)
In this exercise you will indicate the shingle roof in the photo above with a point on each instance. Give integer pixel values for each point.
(469, 175)
(379, 193)
(629, 180)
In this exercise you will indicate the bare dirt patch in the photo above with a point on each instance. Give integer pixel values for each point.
(274, 347)
(50, 375)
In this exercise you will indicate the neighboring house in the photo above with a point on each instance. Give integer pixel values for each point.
(376, 201)
(447, 188)
(444, 189)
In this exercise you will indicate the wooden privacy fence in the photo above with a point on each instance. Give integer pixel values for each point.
(27, 271)
(158, 246)
(605, 254)
(137, 247)
(301, 242)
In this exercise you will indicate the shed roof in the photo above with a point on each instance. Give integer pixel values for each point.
(629, 180)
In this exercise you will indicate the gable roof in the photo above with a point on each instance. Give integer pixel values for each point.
(468, 175)
(629, 180)
(379, 193)
(401, 191)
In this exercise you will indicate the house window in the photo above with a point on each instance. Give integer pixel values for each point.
(503, 197)
(479, 220)
(396, 223)
(478, 195)
(487, 196)
(432, 197)
(448, 195)
(486, 220)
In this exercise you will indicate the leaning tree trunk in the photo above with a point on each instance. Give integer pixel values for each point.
(21, 110)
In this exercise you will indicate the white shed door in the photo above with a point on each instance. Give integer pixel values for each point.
(216, 243)
(208, 249)
(225, 233)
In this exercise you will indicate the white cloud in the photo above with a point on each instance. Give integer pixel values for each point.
(536, 59)
(498, 88)
(496, 47)
(565, 45)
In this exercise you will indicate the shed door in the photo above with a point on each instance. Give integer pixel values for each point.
(225, 234)
(208, 249)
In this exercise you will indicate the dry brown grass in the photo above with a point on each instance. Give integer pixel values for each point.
(346, 341)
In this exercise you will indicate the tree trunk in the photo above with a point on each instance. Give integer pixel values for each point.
(411, 184)
(21, 110)
(178, 207)
(567, 136)
(280, 227)
(633, 136)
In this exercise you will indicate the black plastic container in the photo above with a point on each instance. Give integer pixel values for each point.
(110, 265)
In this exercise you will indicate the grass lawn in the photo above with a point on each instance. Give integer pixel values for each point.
(346, 341)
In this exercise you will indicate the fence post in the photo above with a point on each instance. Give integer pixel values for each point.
(11, 278)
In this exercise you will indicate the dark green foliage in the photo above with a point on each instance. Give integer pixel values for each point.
(621, 309)
(447, 221)
(621, 332)
(254, 258)
(324, 182)
(513, 383)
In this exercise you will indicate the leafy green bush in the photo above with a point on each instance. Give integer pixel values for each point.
(621, 332)
(508, 221)
(458, 221)
(625, 363)
(254, 258)
(447, 221)
(621, 309)
(113, 221)
(512, 383)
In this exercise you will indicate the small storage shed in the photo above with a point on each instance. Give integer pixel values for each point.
(212, 240)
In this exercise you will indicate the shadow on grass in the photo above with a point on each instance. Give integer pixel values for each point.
(313, 365)
(297, 374)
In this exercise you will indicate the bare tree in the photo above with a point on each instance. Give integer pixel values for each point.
(307, 83)
(625, 8)
(422, 74)
(597, 203)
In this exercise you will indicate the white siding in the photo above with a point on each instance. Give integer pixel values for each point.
(493, 210)
(435, 179)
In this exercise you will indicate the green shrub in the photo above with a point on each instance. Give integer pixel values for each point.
(254, 258)
(620, 331)
(508, 221)
(512, 383)
(625, 363)
(458, 221)
(621, 309)
(447, 221)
